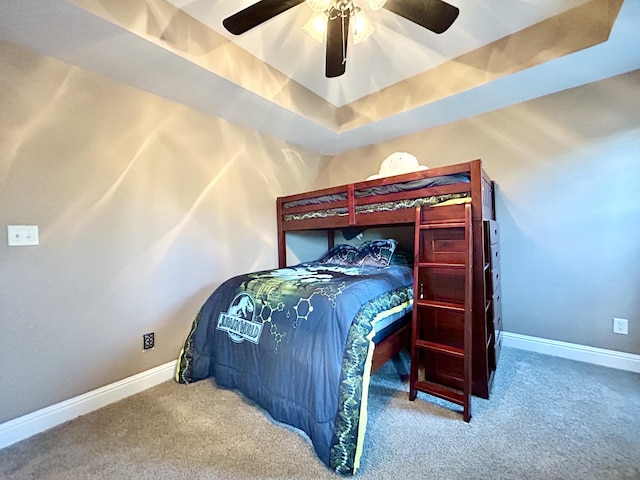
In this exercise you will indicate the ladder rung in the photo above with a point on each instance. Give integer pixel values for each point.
(446, 393)
(454, 307)
(427, 226)
(440, 265)
(440, 348)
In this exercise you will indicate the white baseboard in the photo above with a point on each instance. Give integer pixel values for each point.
(572, 351)
(28, 425)
(31, 424)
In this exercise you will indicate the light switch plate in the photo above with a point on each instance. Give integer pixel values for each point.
(22, 235)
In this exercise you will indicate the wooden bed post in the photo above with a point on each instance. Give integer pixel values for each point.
(481, 371)
(282, 236)
(330, 239)
(351, 204)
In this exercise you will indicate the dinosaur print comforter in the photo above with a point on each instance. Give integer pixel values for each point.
(298, 342)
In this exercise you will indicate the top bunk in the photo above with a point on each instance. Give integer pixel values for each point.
(388, 200)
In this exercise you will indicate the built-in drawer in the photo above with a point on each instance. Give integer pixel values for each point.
(496, 307)
(493, 232)
(498, 344)
(495, 278)
(497, 317)
(494, 255)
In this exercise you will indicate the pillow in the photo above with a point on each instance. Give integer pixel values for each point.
(402, 257)
(341, 254)
(376, 253)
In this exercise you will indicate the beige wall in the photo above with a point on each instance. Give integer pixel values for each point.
(143, 206)
(567, 169)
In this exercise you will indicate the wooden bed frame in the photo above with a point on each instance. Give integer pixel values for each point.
(481, 190)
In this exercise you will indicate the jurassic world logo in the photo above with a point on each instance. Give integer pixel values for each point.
(238, 320)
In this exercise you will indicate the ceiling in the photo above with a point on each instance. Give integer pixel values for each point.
(401, 80)
(398, 50)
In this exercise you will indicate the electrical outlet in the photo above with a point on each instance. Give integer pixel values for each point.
(148, 341)
(621, 326)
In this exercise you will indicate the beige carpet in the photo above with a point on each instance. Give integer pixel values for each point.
(547, 418)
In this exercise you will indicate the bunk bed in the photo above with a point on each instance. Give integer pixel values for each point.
(261, 333)
(393, 201)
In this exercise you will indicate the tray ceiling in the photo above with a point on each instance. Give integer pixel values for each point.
(401, 80)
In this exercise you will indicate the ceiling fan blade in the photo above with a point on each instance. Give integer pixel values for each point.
(337, 35)
(255, 14)
(434, 15)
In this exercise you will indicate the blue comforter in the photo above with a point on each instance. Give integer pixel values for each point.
(298, 342)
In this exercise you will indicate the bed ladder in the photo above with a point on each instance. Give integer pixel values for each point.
(442, 318)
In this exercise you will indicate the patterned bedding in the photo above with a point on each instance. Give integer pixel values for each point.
(298, 341)
(379, 207)
(384, 189)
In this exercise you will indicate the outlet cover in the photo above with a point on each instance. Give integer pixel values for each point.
(621, 326)
(148, 341)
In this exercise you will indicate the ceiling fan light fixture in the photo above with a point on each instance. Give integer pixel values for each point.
(342, 8)
(340, 19)
(376, 4)
(319, 6)
(362, 28)
(316, 26)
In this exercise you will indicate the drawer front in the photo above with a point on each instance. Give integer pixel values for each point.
(495, 279)
(498, 344)
(493, 231)
(494, 255)
(497, 316)
(496, 306)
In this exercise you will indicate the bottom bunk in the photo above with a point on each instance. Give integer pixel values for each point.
(302, 342)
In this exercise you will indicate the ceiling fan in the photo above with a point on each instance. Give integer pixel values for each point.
(434, 15)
